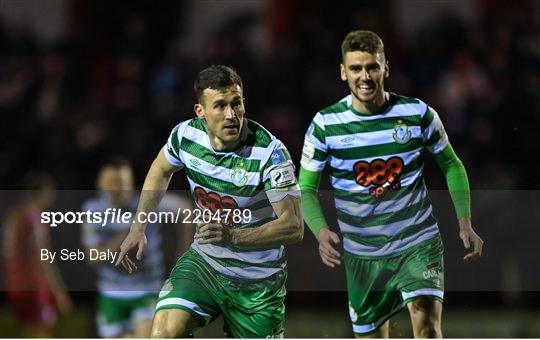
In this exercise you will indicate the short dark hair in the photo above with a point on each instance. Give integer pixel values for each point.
(363, 41)
(215, 77)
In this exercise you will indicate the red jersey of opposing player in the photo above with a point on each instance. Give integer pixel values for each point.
(26, 283)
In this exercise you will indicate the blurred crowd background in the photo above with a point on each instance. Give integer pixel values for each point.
(81, 81)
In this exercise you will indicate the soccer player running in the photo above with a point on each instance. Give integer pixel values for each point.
(236, 265)
(374, 142)
(125, 305)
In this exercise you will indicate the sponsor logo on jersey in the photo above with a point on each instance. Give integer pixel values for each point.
(380, 175)
(433, 273)
(402, 133)
(282, 176)
(347, 141)
(278, 157)
(195, 162)
(239, 175)
(308, 151)
(214, 202)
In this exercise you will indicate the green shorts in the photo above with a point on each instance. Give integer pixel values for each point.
(251, 309)
(116, 316)
(380, 287)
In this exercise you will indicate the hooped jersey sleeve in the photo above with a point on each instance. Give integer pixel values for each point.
(433, 134)
(172, 147)
(278, 173)
(314, 152)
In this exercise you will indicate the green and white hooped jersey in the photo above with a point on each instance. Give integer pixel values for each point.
(376, 171)
(247, 179)
(111, 281)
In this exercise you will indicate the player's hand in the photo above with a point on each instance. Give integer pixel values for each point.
(329, 255)
(214, 233)
(469, 237)
(134, 239)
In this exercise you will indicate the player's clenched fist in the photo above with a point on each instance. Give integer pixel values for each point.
(214, 233)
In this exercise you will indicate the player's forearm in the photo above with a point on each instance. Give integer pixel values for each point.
(457, 181)
(311, 207)
(288, 228)
(154, 188)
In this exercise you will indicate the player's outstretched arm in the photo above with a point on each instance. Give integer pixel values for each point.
(288, 228)
(458, 185)
(155, 185)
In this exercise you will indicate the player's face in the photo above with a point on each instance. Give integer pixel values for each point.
(116, 184)
(364, 73)
(223, 111)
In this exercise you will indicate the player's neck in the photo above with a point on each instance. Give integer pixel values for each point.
(220, 145)
(371, 107)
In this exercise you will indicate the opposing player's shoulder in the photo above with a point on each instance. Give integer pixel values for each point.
(257, 135)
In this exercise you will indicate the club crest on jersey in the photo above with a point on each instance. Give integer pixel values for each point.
(166, 289)
(402, 133)
(239, 175)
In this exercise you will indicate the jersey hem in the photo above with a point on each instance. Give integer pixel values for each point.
(396, 254)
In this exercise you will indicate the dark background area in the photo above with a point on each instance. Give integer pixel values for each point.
(82, 81)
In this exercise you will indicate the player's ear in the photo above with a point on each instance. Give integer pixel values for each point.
(342, 72)
(199, 110)
(386, 69)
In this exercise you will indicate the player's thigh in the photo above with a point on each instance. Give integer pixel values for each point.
(421, 272)
(372, 297)
(266, 323)
(256, 310)
(173, 323)
(192, 288)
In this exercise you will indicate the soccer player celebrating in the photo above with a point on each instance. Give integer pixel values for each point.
(243, 178)
(374, 141)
